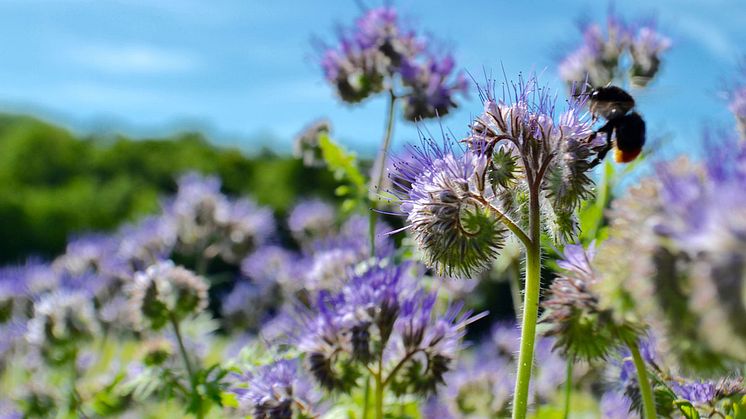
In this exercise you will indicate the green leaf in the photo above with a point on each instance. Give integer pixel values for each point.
(228, 399)
(687, 409)
(341, 162)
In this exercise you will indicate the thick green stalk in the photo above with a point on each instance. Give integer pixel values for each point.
(381, 162)
(568, 386)
(648, 402)
(530, 307)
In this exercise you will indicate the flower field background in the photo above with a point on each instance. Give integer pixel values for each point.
(545, 258)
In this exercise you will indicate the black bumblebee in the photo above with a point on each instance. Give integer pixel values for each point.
(615, 105)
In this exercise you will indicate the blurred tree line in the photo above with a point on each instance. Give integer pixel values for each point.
(53, 184)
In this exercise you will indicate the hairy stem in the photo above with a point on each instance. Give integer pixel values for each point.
(648, 402)
(530, 307)
(381, 162)
(568, 386)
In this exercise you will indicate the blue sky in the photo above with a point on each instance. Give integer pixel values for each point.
(244, 70)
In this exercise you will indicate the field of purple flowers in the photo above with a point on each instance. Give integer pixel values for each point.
(627, 302)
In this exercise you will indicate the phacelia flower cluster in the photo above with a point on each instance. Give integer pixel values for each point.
(675, 257)
(277, 390)
(599, 58)
(379, 319)
(379, 49)
(459, 203)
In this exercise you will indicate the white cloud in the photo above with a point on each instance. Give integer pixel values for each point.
(134, 59)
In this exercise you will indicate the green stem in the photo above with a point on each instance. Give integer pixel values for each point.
(381, 161)
(515, 286)
(568, 386)
(366, 398)
(648, 403)
(530, 307)
(182, 349)
(379, 388)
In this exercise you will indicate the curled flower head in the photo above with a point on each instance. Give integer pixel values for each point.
(582, 328)
(278, 390)
(61, 322)
(438, 188)
(164, 292)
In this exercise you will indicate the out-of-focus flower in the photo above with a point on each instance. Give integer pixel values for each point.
(246, 227)
(310, 220)
(685, 275)
(209, 224)
(481, 388)
(278, 390)
(370, 56)
(433, 90)
(583, 329)
(599, 58)
(62, 322)
(646, 49)
(247, 305)
(165, 292)
(156, 351)
(270, 265)
(306, 145)
(615, 405)
(145, 243)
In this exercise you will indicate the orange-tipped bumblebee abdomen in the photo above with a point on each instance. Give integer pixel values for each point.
(626, 156)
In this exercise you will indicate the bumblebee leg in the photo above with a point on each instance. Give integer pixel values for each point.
(607, 129)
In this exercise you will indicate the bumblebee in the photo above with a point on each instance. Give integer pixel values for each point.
(615, 106)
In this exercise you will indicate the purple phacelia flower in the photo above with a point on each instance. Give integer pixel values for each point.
(310, 220)
(278, 390)
(379, 315)
(646, 48)
(615, 405)
(696, 392)
(432, 88)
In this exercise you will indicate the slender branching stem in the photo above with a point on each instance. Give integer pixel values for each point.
(568, 385)
(512, 226)
(648, 402)
(381, 162)
(530, 307)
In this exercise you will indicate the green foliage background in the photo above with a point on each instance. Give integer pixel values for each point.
(54, 183)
